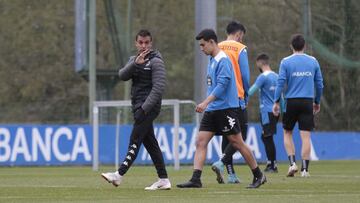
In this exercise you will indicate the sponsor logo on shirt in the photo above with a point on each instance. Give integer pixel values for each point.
(302, 74)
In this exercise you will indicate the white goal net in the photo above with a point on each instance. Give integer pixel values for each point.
(117, 108)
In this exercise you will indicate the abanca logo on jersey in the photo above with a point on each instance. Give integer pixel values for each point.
(302, 74)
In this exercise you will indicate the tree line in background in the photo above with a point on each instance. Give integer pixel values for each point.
(39, 84)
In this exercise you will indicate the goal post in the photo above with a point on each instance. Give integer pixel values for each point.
(175, 103)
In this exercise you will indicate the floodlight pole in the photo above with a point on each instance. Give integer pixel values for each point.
(307, 27)
(92, 56)
(205, 17)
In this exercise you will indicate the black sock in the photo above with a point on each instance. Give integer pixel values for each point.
(225, 142)
(230, 168)
(228, 155)
(196, 175)
(291, 159)
(305, 165)
(270, 148)
(256, 172)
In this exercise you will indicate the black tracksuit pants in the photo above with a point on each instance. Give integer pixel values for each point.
(143, 133)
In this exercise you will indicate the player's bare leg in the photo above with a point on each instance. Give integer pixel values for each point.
(306, 146)
(290, 150)
(288, 142)
(238, 143)
(202, 141)
(305, 152)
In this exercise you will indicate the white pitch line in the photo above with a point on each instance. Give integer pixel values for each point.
(41, 186)
(336, 176)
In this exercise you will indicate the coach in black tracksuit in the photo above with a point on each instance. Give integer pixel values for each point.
(147, 72)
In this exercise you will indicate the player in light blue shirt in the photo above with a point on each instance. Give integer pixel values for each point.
(300, 73)
(301, 80)
(221, 109)
(237, 52)
(221, 83)
(266, 83)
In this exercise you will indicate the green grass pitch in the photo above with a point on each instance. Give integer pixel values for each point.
(330, 181)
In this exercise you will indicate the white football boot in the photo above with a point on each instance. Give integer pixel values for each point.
(161, 184)
(305, 174)
(114, 178)
(292, 170)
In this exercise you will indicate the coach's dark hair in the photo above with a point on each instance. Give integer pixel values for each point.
(264, 58)
(207, 35)
(298, 42)
(234, 27)
(143, 33)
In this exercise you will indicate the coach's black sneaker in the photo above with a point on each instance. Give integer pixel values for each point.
(257, 182)
(271, 169)
(190, 184)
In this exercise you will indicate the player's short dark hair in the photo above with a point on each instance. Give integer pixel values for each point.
(143, 33)
(234, 27)
(207, 34)
(298, 42)
(264, 58)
